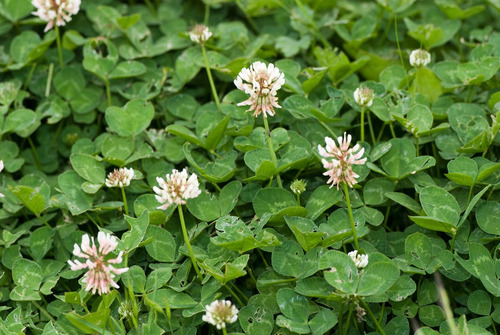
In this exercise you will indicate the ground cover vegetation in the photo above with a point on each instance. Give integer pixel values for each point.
(249, 167)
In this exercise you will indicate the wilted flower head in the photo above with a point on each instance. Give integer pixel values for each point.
(364, 96)
(176, 188)
(200, 34)
(55, 11)
(419, 58)
(120, 177)
(100, 272)
(342, 159)
(360, 260)
(262, 83)
(298, 186)
(1, 168)
(220, 312)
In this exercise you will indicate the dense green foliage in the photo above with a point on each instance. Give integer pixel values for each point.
(128, 88)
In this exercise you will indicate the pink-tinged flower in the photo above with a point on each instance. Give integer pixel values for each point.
(220, 312)
(200, 34)
(1, 168)
(101, 272)
(176, 188)
(339, 160)
(262, 83)
(120, 177)
(56, 11)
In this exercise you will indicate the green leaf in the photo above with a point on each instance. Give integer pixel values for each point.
(162, 247)
(229, 196)
(30, 198)
(488, 217)
(288, 259)
(157, 278)
(418, 250)
(132, 119)
(479, 302)
(26, 273)
(22, 121)
(438, 203)
(434, 224)
(76, 199)
(135, 278)
(405, 201)
(215, 136)
(184, 133)
(293, 305)
(205, 207)
(278, 202)
(375, 189)
(340, 271)
(15, 10)
(322, 322)
(127, 69)
(116, 149)
(256, 319)
(305, 231)
(377, 278)
(69, 82)
(41, 242)
(88, 167)
(138, 226)
(320, 200)
(90, 323)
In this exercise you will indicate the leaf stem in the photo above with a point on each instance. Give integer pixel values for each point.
(59, 46)
(108, 91)
(125, 205)
(210, 78)
(188, 244)
(362, 123)
(271, 151)
(43, 311)
(35, 154)
(370, 126)
(49, 80)
(235, 296)
(351, 306)
(351, 217)
(377, 324)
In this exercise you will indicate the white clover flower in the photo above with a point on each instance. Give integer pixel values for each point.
(298, 186)
(200, 34)
(262, 83)
(360, 260)
(419, 58)
(364, 96)
(220, 312)
(56, 11)
(176, 188)
(342, 159)
(101, 272)
(120, 177)
(1, 168)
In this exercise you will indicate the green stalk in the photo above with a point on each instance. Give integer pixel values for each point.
(224, 332)
(377, 324)
(399, 49)
(210, 79)
(351, 306)
(59, 46)
(362, 123)
(49, 80)
(30, 75)
(188, 244)
(417, 146)
(125, 205)
(351, 217)
(370, 126)
(108, 91)
(271, 151)
(235, 296)
(43, 311)
(35, 154)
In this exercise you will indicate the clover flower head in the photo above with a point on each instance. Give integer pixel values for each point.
(101, 271)
(200, 34)
(1, 168)
(298, 186)
(262, 83)
(364, 96)
(120, 177)
(176, 188)
(55, 11)
(220, 312)
(419, 58)
(339, 160)
(360, 260)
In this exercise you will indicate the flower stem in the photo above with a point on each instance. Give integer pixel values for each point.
(224, 332)
(351, 306)
(43, 311)
(370, 126)
(377, 324)
(35, 153)
(362, 123)
(49, 80)
(125, 205)
(351, 217)
(108, 91)
(210, 79)
(271, 151)
(235, 296)
(59, 46)
(188, 244)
